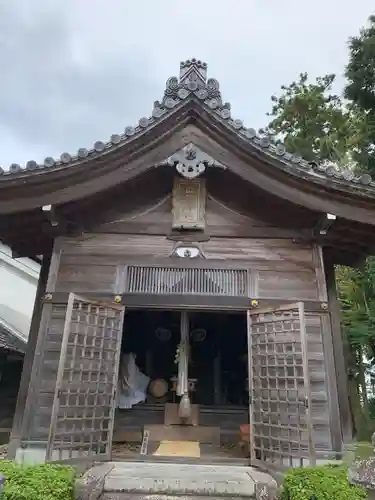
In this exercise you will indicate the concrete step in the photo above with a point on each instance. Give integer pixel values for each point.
(136, 496)
(201, 434)
(188, 480)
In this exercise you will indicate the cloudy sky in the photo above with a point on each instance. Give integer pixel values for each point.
(73, 72)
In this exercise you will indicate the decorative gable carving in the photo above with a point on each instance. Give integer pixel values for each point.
(191, 161)
(189, 204)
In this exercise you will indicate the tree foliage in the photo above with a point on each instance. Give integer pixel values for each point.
(312, 121)
(357, 295)
(325, 127)
(360, 71)
(360, 89)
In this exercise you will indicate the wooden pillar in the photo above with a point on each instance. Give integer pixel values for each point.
(252, 452)
(329, 360)
(35, 377)
(15, 437)
(339, 353)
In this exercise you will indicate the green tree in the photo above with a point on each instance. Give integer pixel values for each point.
(357, 295)
(360, 71)
(360, 90)
(314, 122)
(321, 126)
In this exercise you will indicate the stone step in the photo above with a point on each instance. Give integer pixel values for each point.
(187, 480)
(136, 496)
(213, 459)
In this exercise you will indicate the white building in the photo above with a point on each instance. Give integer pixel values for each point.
(18, 284)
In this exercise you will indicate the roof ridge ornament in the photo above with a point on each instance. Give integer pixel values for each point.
(192, 80)
(197, 67)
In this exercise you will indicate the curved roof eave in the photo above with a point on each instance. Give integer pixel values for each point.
(182, 97)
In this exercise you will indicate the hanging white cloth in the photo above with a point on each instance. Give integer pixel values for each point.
(132, 385)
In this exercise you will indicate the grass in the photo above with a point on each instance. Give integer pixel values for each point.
(39, 482)
(327, 482)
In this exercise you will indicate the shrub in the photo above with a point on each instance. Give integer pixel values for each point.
(327, 482)
(38, 482)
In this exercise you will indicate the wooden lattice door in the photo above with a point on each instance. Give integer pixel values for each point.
(280, 395)
(85, 396)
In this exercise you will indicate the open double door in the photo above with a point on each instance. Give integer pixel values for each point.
(85, 397)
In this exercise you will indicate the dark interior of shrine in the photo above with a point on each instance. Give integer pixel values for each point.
(217, 357)
(217, 375)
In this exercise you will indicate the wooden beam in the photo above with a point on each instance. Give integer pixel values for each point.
(50, 213)
(197, 302)
(329, 360)
(324, 224)
(35, 375)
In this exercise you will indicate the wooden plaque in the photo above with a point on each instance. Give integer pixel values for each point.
(189, 204)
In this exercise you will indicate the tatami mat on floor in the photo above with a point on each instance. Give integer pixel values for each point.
(178, 449)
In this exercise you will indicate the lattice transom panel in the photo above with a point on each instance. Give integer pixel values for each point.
(280, 396)
(185, 281)
(83, 409)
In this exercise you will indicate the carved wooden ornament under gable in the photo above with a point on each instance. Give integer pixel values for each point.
(191, 161)
(189, 204)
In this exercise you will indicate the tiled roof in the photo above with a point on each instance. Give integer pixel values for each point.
(11, 342)
(193, 84)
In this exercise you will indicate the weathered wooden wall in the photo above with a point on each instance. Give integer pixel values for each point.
(283, 270)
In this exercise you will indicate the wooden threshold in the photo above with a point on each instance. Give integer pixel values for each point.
(202, 460)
